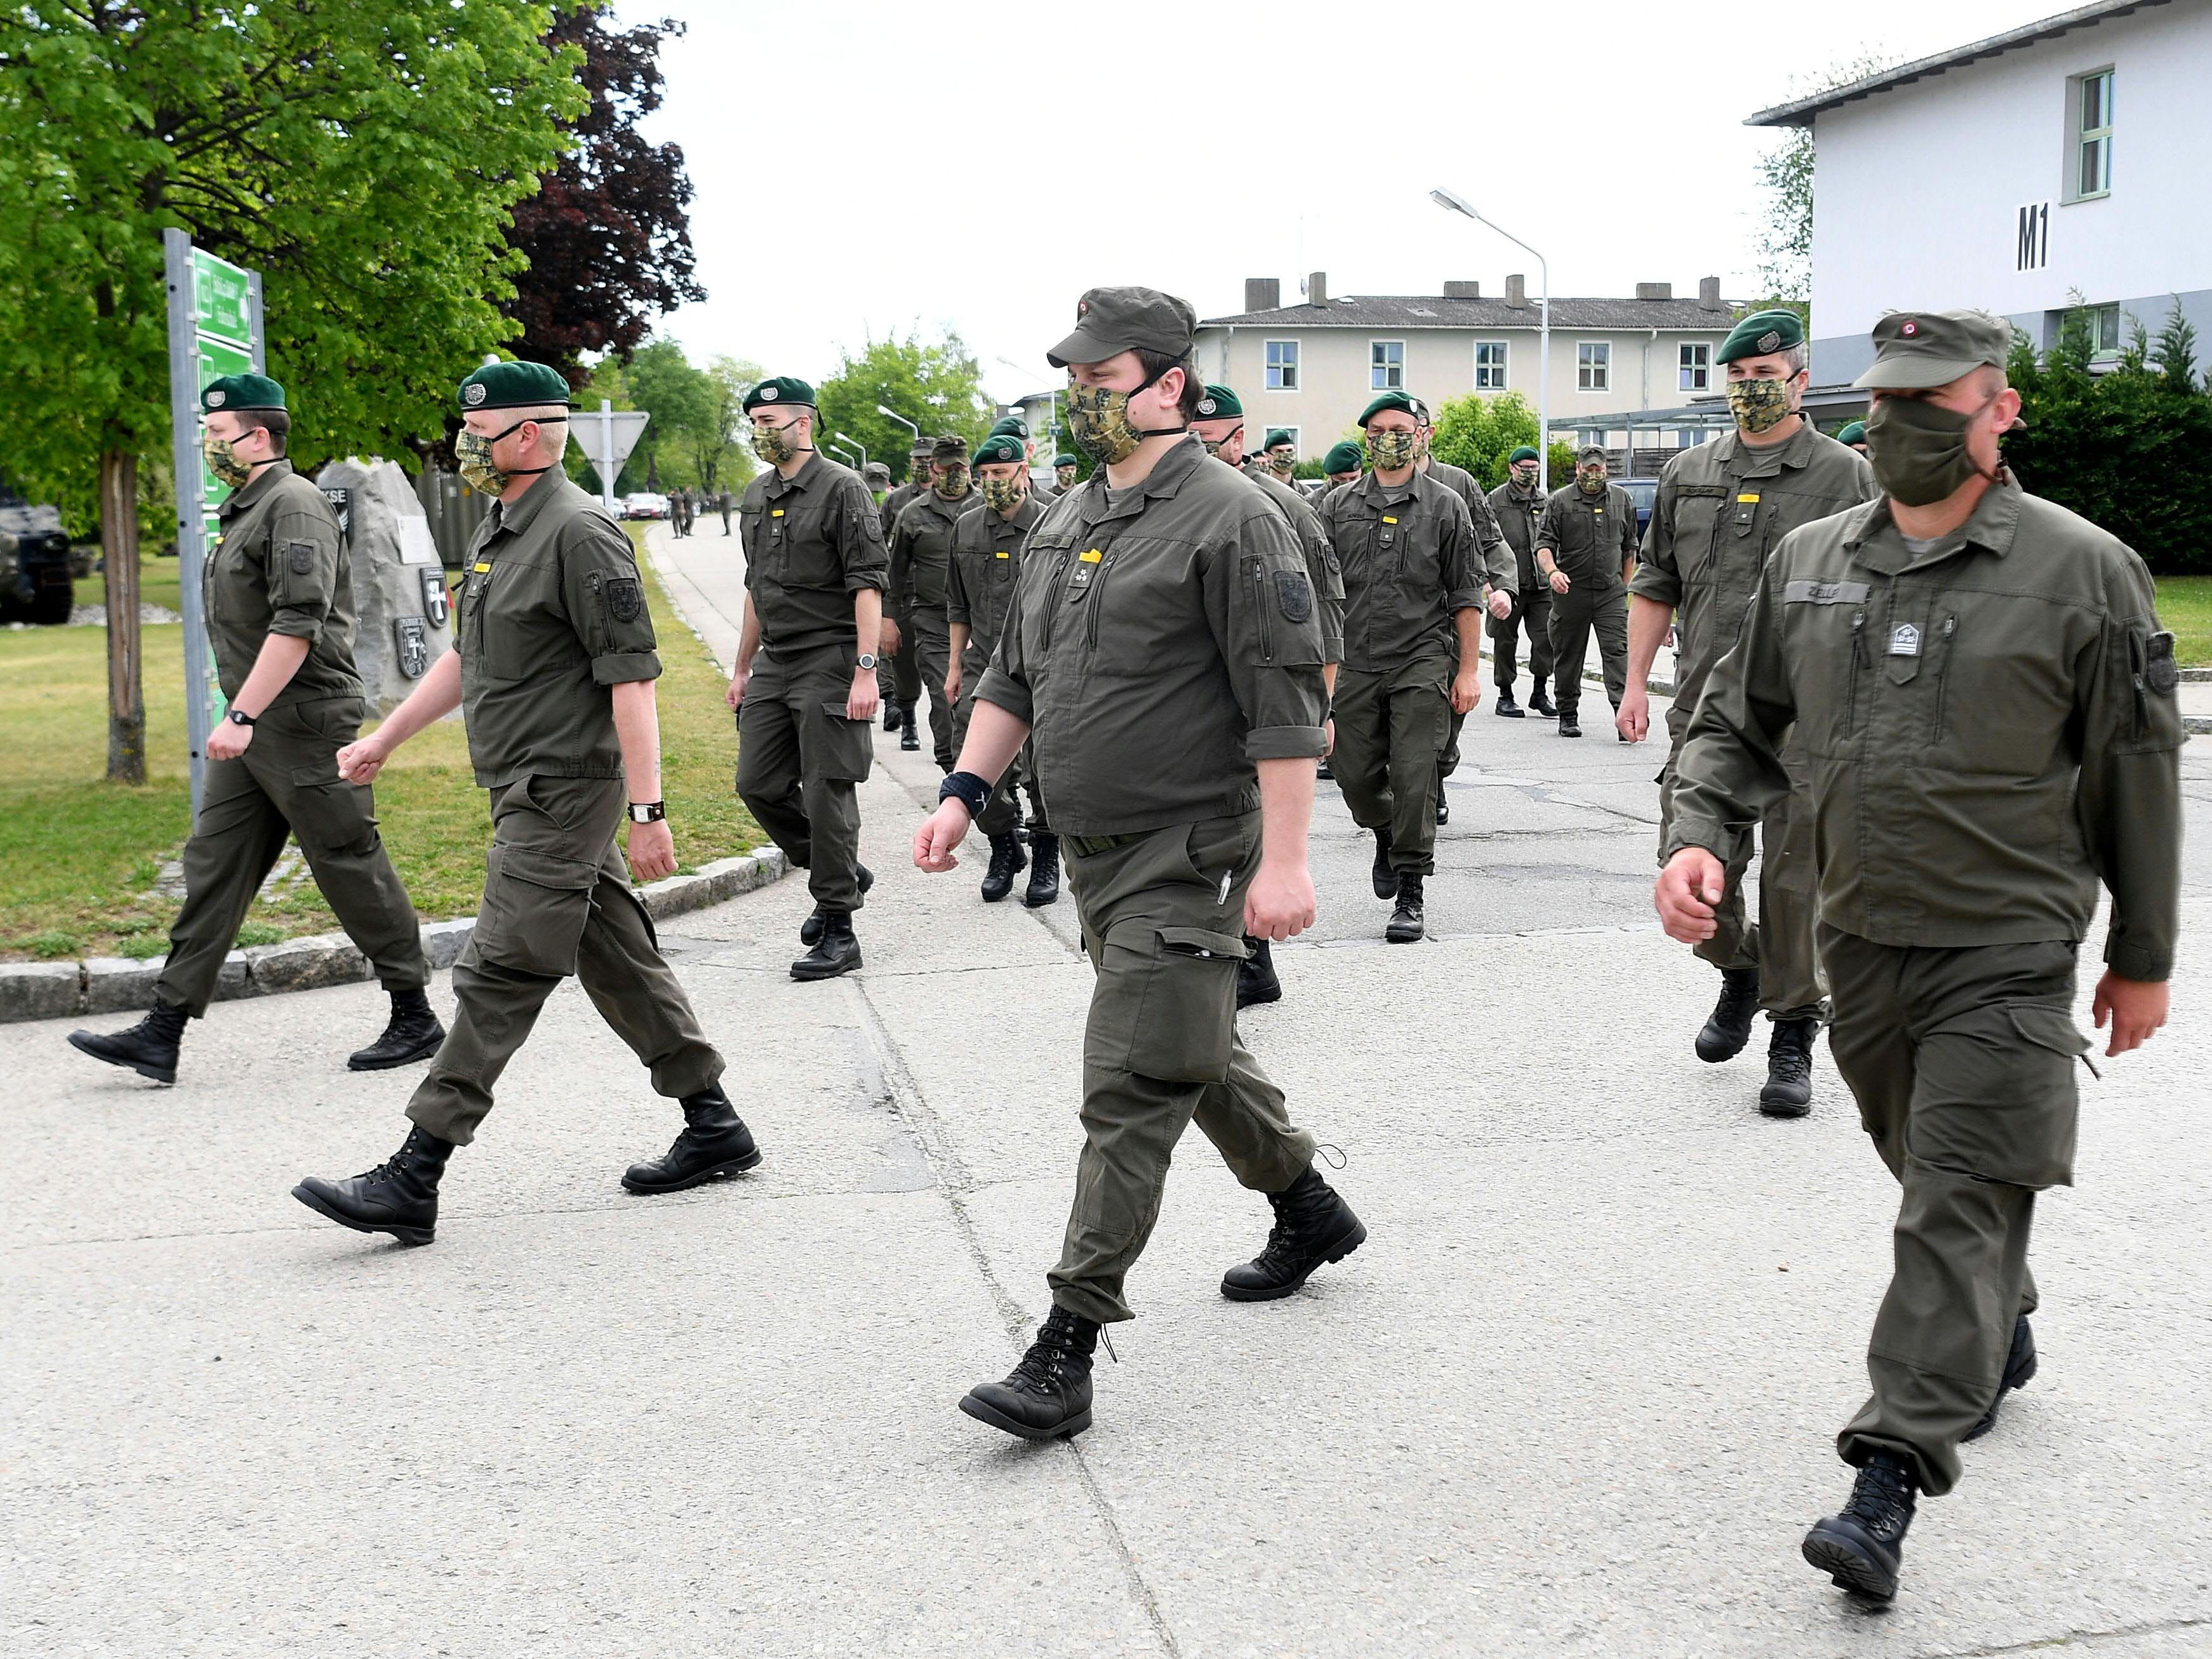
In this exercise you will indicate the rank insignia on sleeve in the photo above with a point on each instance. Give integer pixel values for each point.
(625, 599)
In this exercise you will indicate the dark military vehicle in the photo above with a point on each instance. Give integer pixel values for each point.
(35, 575)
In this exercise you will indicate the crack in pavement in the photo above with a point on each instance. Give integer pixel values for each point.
(2072, 1638)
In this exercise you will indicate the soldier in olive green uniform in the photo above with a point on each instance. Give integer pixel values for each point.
(805, 687)
(278, 593)
(1341, 466)
(1853, 436)
(1064, 468)
(898, 674)
(1722, 509)
(1494, 562)
(1411, 620)
(1164, 650)
(921, 554)
(1585, 548)
(553, 672)
(1518, 506)
(1014, 427)
(1985, 703)
(979, 592)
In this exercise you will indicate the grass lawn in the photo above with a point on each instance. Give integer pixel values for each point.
(2184, 604)
(79, 856)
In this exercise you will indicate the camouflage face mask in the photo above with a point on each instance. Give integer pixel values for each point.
(1590, 483)
(223, 461)
(1001, 495)
(1759, 405)
(1214, 446)
(952, 483)
(1282, 462)
(1392, 452)
(773, 444)
(1098, 419)
(1525, 475)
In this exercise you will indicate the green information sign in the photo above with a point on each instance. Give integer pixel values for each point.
(222, 300)
(216, 359)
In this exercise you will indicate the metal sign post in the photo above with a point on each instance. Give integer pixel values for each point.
(607, 439)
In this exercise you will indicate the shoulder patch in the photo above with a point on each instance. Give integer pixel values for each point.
(2160, 672)
(625, 599)
(1294, 594)
(301, 556)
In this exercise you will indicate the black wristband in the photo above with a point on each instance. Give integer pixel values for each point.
(970, 791)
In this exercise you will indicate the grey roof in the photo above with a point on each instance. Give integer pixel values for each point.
(1800, 112)
(1431, 311)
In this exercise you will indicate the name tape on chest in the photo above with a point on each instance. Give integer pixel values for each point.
(1387, 518)
(1826, 593)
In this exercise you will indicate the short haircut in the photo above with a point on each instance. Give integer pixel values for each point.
(1799, 357)
(276, 421)
(1155, 364)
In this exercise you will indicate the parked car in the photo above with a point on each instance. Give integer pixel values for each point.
(1644, 492)
(645, 505)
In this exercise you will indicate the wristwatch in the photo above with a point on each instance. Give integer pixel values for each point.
(239, 717)
(865, 661)
(648, 811)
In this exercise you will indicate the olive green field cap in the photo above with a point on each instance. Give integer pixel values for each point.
(874, 473)
(1589, 452)
(779, 389)
(948, 450)
(1388, 400)
(1914, 350)
(1344, 456)
(1220, 403)
(1109, 321)
(919, 448)
(237, 392)
(513, 385)
(1762, 334)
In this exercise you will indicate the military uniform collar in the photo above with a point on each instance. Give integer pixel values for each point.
(1756, 463)
(1169, 474)
(1026, 515)
(516, 517)
(245, 496)
(1874, 540)
(1372, 489)
(780, 485)
(954, 509)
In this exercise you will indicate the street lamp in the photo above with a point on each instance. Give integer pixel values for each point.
(844, 455)
(894, 415)
(846, 437)
(1446, 199)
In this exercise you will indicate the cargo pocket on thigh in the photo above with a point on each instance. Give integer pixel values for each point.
(846, 746)
(535, 908)
(1165, 1004)
(1997, 1097)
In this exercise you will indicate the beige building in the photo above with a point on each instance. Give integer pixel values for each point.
(1314, 367)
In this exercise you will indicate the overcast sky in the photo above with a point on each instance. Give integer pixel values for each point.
(865, 169)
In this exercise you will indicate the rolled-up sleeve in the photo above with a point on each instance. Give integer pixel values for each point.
(605, 597)
(1657, 575)
(858, 529)
(301, 572)
(1266, 619)
(1549, 527)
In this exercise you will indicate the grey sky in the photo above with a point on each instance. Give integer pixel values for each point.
(949, 167)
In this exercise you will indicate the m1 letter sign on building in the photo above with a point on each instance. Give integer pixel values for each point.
(2031, 237)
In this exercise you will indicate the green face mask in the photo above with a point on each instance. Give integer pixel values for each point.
(1392, 452)
(223, 461)
(1918, 449)
(1001, 495)
(952, 483)
(773, 444)
(1759, 406)
(1098, 419)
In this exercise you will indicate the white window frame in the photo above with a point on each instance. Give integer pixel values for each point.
(2081, 137)
(1375, 368)
(1502, 368)
(1269, 369)
(1603, 365)
(2108, 351)
(1693, 366)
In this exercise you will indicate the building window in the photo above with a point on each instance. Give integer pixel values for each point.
(2091, 100)
(1490, 365)
(2103, 326)
(1386, 365)
(1696, 370)
(1282, 365)
(1594, 365)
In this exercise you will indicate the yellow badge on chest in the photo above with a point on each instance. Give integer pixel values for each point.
(1091, 557)
(1387, 518)
(1003, 554)
(775, 513)
(1752, 497)
(480, 568)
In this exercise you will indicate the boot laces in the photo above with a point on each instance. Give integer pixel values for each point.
(1882, 1497)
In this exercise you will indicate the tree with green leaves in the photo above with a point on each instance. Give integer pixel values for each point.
(936, 385)
(1785, 265)
(1477, 432)
(362, 155)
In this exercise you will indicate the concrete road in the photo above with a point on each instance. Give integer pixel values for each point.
(1577, 1396)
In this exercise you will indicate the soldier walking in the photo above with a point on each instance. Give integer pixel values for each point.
(1585, 548)
(278, 592)
(1494, 562)
(1518, 506)
(898, 675)
(921, 554)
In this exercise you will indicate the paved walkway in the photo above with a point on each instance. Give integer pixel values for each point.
(1576, 1397)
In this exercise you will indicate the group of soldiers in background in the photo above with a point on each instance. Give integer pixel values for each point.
(685, 505)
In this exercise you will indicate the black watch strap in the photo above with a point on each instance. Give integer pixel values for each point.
(239, 717)
(648, 811)
(970, 791)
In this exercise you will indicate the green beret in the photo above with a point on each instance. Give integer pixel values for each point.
(1010, 423)
(1760, 334)
(1059, 461)
(1344, 456)
(998, 449)
(1278, 436)
(1220, 403)
(1523, 454)
(1388, 400)
(513, 385)
(1853, 434)
(243, 391)
(781, 389)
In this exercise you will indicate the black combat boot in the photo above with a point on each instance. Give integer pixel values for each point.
(907, 738)
(1006, 862)
(1382, 876)
(150, 1048)
(1313, 1225)
(399, 1197)
(413, 1034)
(1861, 1548)
(810, 930)
(1570, 727)
(1322, 773)
(1730, 1028)
(1506, 708)
(890, 714)
(1255, 976)
(2019, 1371)
(1539, 703)
(715, 1142)
(836, 952)
(1788, 1091)
(1406, 923)
(1047, 1394)
(1044, 870)
(1443, 806)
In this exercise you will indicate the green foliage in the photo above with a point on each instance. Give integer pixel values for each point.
(1785, 265)
(2125, 448)
(363, 154)
(936, 385)
(696, 437)
(1477, 433)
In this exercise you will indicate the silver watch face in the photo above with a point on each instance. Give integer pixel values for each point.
(867, 659)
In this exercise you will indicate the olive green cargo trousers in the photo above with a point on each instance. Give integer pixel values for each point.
(1962, 1063)
(287, 783)
(1576, 615)
(799, 759)
(1163, 917)
(933, 650)
(556, 901)
(1390, 730)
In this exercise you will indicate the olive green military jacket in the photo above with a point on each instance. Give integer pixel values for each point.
(1518, 517)
(1722, 507)
(1591, 538)
(280, 567)
(1493, 556)
(811, 542)
(550, 614)
(979, 592)
(1407, 555)
(921, 548)
(895, 503)
(1989, 728)
(1320, 559)
(1163, 638)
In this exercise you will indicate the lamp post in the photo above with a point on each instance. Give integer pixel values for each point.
(848, 438)
(1446, 199)
(843, 454)
(892, 414)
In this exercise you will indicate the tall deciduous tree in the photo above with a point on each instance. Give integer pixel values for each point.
(361, 153)
(936, 385)
(1785, 264)
(606, 236)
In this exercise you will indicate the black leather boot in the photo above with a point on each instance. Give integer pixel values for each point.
(890, 714)
(1539, 703)
(715, 1142)
(810, 930)
(1730, 1028)
(1044, 870)
(399, 1196)
(1313, 1225)
(2019, 1369)
(1255, 976)
(150, 1048)
(1507, 708)
(1861, 1548)
(413, 1034)
(907, 738)
(1788, 1091)
(1322, 773)
(1570, 727)
(1006, 862)
(1444, 805)
(1384, 878)
(1408, 921)
(836, 952)
(1047, 1394)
